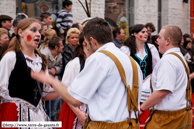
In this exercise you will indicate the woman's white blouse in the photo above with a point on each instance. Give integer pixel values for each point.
(7, 65)
(153, 50)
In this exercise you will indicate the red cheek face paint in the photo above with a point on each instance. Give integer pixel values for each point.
(141, 36)
(29, 38)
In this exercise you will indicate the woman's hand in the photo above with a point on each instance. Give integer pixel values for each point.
(81, 117)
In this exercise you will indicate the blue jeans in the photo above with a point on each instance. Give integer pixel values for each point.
(51, 107)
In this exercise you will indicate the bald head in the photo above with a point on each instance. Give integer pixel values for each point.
(174, 33)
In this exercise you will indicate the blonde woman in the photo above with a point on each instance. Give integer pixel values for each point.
(72, 40)
(48, 35)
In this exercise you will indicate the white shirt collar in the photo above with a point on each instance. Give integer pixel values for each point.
(38, 59)
(107, 45)
(175, 49)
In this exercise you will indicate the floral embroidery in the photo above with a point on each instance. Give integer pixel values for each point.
(4, 91)
(24, 103)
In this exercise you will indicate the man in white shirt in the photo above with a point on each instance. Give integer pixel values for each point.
(99, 84)
(169, 83)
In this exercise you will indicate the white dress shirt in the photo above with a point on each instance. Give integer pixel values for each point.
(169, 74)
(99, 85)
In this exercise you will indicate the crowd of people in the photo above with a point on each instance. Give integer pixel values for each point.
(103, 81)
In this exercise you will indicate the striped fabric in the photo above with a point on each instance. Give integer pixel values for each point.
(64, 20)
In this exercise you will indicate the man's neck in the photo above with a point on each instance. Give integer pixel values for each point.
(66, 10)
(54, 53)
(117, 38)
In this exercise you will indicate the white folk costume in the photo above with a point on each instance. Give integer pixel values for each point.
(67, 116)
(170, 74)
(147, 61)
(99, 85)
(20, 94)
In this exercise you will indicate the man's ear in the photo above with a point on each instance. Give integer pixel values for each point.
(168, 41)
(56, 48)
(93, 41)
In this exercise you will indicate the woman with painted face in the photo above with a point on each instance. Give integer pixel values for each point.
(145, 54)
(21, 96)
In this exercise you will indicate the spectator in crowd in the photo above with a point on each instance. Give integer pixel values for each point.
(146, 56)
(118, 35)
(187, 37)
(21, 96)
(104, 78)
(150, 29)
(186, 50)
(5, 22)
(171, 97)
(43, 31)
(48, 35)
(73, 117)
(65, 19)
(78, 26)
(72, 40)
(54, 58)
(4, 41)
(15, 23)
(47, 19)
(155, 43)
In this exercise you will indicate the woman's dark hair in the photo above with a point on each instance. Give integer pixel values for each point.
(154, 38)
(79, 52)
(131, 41)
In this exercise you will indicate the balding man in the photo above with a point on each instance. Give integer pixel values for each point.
(171, 87)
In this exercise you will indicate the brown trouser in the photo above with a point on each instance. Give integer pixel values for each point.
(180, 119)
(117, 125)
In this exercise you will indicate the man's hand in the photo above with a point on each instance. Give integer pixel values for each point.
(140, 112)
(42, 77)
(53, 71)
